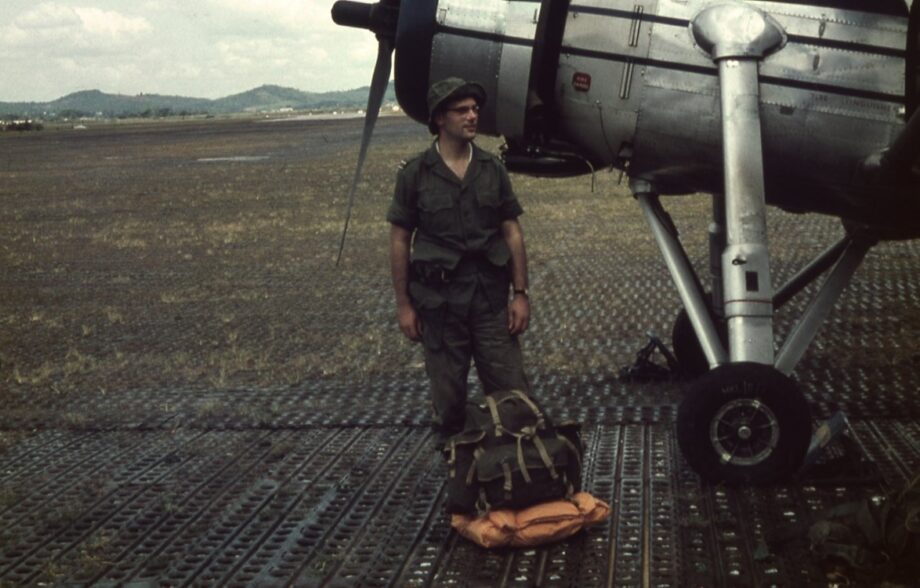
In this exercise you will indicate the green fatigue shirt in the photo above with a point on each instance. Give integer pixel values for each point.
(456, 222)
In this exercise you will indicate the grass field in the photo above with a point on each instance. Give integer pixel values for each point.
(200, 256)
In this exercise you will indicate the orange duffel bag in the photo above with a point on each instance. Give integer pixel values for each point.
(535, 525)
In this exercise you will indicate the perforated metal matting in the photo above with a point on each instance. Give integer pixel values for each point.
(351, 506)
(333, 481)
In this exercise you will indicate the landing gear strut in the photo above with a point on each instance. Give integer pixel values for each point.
(687, 348)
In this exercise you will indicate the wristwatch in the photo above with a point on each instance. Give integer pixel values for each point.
(521, 291)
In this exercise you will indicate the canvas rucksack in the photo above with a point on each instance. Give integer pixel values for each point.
(876, 539)
(510, 455)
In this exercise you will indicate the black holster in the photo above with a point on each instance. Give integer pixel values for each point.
(428, 273)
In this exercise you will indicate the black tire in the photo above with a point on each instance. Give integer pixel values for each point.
(744, 423)
(687, 348)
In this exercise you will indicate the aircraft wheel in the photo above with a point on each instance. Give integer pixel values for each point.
(744, 423)
(687, 347)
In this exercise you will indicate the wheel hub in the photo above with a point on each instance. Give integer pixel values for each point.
(744, 432)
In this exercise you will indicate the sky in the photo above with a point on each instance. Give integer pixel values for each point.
(196, 48)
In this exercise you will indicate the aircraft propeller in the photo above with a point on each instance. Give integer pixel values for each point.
(381, 19)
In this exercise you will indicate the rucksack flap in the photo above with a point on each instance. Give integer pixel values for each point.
(505, 411)
(527, 472)
(524, 456)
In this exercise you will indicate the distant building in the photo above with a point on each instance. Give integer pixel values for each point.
(21, 125)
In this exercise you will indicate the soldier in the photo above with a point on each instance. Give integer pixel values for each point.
(455, 247)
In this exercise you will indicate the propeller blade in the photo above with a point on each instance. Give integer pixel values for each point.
(379, 84)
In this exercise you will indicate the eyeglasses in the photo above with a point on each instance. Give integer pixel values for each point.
(462, 110)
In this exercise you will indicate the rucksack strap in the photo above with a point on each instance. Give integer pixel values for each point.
(452, 460)
(547, 460)
(509, 482)
(482, 505)
(530, 434)
(521, 461)
(496, 419)
(472, 471)
(533, 407)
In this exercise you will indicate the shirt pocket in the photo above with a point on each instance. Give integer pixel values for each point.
(487, 192)
(436, 211)
(488, 198)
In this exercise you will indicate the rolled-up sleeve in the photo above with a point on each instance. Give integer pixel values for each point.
(510, 207)
(401, 211)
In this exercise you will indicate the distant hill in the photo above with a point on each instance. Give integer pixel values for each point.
(264, 98)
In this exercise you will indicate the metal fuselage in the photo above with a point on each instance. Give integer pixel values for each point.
(622, 83)
(810, 106)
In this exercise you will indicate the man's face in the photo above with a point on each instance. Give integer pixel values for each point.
(459, 119)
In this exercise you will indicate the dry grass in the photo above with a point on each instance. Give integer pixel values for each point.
(132, 265)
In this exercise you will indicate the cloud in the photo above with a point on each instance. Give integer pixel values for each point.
(54, 28)
(111, 25)
(268, 54)
(47, 16)
(292, 43)
(202, 48)
(53, 48)
(297, 17)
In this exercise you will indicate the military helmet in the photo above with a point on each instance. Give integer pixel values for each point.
(451, 89)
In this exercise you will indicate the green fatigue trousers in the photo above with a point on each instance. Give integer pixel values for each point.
(482, 336)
